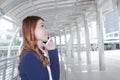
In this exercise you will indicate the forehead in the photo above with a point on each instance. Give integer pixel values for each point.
(40, 22)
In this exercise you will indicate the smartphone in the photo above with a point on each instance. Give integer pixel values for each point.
(48, 40)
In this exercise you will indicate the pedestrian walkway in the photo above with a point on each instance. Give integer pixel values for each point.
(79, 70)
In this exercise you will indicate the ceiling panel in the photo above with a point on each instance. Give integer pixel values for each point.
(57, 13)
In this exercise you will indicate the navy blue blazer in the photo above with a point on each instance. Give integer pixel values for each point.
(31, 68)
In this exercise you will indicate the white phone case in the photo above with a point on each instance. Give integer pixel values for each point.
(48, 41)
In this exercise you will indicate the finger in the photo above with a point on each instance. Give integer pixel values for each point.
(51, 40)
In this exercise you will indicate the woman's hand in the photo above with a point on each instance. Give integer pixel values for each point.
(50, 45)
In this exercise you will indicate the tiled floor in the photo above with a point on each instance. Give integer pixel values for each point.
(74, 69)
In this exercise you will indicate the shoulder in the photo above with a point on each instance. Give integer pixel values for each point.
(30, 65)
(28, 56)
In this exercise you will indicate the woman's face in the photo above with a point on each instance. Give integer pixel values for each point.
(41, 32)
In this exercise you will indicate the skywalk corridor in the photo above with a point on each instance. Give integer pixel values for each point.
(86, 34)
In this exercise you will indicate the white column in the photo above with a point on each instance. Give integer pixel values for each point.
(87, 39)
(60, 43)
(78, 41)
(65, 36)
(100, 39)
(55, 38)
(114, 3)
(71, 38)
(118, 8)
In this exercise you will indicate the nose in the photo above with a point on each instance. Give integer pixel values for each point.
(46, 30)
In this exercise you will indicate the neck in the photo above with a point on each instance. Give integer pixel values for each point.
(39, 43)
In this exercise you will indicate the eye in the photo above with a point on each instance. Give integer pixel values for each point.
(42, 25)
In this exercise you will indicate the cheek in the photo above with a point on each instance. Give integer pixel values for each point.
(39, 35)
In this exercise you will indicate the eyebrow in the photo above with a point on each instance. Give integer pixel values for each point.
(42, 23)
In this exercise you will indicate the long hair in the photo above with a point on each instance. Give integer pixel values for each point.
(29, 39)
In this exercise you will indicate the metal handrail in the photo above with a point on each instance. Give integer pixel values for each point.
(9, 68)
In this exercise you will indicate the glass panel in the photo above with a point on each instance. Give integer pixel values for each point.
(6, 31)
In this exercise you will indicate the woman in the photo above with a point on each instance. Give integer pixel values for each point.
(34, 65)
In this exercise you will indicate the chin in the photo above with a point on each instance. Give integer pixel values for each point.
(45, 39)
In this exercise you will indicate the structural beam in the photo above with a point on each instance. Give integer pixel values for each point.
(60, 45)
(100, 24)
(118, 9)
(87, 39)
(55, 38)
(65, 38)
(71, 40)
(118, 6)
(78, 41)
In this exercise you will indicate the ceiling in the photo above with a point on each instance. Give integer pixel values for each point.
(58, 14)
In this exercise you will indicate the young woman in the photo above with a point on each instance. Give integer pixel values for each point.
(34, 64)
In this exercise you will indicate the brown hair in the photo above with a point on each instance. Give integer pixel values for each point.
(29, 38)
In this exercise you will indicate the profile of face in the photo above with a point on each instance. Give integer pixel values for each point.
(41, 32)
